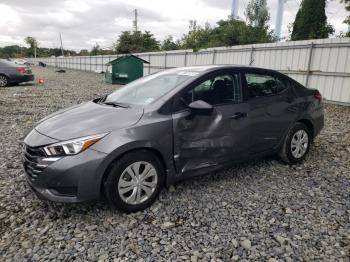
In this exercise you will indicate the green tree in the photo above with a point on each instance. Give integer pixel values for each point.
(16, 51)
(347, 7)
(234, 32)
(33, 44)
(83, 52)
(169, 44)
(257, 14)
(13, 51)
(228, 32)
(136, 42)
(311, 21)
(197, 36)
(95, 49)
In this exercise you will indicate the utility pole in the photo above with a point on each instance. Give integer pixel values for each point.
(61, 45)
(279, 17)
(234, 9)
(135, 20)
(34, 49)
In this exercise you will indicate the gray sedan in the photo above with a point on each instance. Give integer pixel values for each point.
(166, 127)
(12, 73)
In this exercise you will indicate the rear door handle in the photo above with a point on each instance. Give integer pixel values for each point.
(239, 115)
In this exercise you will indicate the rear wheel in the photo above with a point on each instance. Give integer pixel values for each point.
(134, 181)
(296, 144)
(3, 81)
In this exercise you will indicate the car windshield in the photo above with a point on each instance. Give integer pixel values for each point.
(150, 88)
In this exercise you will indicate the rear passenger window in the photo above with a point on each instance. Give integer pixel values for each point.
(260, 85)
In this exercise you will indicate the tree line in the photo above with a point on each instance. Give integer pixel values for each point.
(310, 23)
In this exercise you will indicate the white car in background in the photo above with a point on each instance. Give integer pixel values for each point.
(20, 61)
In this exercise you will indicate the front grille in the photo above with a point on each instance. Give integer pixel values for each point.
(31, 161)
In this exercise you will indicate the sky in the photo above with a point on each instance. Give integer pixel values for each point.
(83, 23)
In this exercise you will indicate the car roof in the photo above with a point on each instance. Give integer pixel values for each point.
(209, 68)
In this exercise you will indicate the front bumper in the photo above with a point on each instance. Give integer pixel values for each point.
(70, 179)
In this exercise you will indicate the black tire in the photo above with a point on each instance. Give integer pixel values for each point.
(285, 152)
(117, 169)
(4, 81)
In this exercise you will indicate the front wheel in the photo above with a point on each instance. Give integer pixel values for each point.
(134, 181)
(296, 144)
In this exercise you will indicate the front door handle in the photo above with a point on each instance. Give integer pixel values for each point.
(239, 115)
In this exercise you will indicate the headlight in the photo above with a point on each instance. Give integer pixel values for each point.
(72, 147)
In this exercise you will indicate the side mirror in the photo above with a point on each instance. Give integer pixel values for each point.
(199, 107)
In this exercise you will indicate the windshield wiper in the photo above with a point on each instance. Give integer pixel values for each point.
(116, 104)
(102, 99)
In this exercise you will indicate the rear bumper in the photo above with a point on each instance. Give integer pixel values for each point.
(21, 78)
(318, 120)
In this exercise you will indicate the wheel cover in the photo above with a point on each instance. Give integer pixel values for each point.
(3, 81)
(137, 182)
(299, 143)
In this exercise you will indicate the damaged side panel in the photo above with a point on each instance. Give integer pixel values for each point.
(202, 142)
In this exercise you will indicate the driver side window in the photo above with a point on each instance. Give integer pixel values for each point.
(217, 90)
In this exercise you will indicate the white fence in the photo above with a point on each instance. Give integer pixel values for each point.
(323, 64)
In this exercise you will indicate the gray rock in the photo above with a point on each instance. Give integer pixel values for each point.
(289, 210)
(280, 239)
(168, 225)
(25, 244)
(103, 257)
(234, 242)
(246, 244)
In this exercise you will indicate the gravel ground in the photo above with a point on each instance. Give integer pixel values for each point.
(263, 211)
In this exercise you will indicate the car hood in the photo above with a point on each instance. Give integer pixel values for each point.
(87, 119)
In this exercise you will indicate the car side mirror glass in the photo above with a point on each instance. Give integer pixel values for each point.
(199, 107)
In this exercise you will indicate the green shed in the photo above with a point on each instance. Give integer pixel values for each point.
(124, 69)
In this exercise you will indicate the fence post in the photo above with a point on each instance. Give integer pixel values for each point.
(309, 64)
(185, 58)
(90, 64)
(214, 52)
(149, 65)
(251, 56)
(165, 60)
